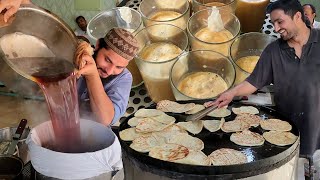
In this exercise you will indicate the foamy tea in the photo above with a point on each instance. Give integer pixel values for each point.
(55, 78)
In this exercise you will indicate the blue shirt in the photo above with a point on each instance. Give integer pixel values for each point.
(117, 88)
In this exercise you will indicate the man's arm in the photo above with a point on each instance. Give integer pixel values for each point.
(244, 88)
(100, 103)
(262, 75)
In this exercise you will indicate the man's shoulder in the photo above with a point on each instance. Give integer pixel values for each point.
(316, 24)
(125, 75)
(274, 45)
(79, 32)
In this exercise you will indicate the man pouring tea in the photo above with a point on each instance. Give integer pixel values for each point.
(103, 77)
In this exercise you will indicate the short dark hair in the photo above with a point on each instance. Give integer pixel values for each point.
(290, 7)
(79, 18)
(311, 6)
(101, 44)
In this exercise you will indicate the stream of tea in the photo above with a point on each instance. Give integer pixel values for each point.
(58, 83)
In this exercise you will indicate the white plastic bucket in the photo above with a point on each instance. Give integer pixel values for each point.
(75, 165)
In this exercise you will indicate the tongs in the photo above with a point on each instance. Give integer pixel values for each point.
(200, 114)
(204, 112)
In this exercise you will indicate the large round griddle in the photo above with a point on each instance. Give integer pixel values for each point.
(261, 159)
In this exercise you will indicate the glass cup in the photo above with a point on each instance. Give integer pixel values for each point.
(245, 51)
(158, 50)
(175, 12)
(122, 17)
(200, 61)
(226, 5)
(198, 23)
(251, 14)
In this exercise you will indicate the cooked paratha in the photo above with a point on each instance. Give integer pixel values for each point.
(253, 120)
(194, 127)
(213, 125)
(150, 125)
(192, 143)
(148, 113)
(225, 156)
(195, 158)
(171, 131)
(197, 108)
(145, 143)
(245, 109)
(221, 112)
(169, 152)
(280, 138)
(164, 118)
(171, 106)
(234, 126)
(275, 125)
(134, 121)
(174, 127)
(247, 138)
(129, 134)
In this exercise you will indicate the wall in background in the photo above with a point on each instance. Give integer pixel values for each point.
(316, 3)
(65, 9)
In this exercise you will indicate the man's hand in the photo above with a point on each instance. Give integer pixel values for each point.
(89, 69)
(223, 99)
(243, 89)
(11, 6)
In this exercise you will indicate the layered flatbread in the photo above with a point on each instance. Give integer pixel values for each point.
(195, 109)
(280, 138)
(174, 127)
(221, 112)
(164, 118)
(192, 143)
(225, 156)
(148, 113)
(134, 121)
(275, 125)
(129, 134)
(145, 143)
(247, 138)
(194, 127)
(245, 109)
(253, 120)
(213, 125)
(171, 106)
(169, 152)
(195, 158)
(150, 125)
(234, 126)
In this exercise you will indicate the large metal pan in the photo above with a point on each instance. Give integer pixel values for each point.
(11, 166)
(44, 25)
(262, 159)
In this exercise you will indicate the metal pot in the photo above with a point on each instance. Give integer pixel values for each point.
(11, 166)
(42, 24)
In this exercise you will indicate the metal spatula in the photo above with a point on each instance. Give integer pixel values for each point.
(200, 114)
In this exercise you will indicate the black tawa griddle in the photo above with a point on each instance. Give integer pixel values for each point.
(261, 159)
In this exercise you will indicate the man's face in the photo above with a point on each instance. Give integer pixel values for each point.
(308, 13)
(284, 24)
(110, 63)
(82, 23)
